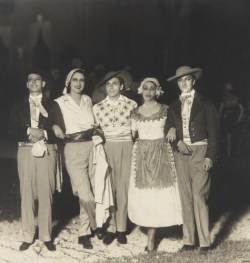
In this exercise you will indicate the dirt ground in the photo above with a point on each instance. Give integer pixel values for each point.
(230, 220)
(69, 251)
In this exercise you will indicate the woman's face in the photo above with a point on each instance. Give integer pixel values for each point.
(77, 83)
(149, 91)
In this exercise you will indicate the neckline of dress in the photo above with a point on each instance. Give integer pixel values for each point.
(150, 116)
(81, 100)
(151, 106)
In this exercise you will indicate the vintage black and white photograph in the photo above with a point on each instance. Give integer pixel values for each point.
(124, 131)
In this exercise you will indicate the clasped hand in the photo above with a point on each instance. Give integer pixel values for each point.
(58, 132)
(184, 148)
(36, 134)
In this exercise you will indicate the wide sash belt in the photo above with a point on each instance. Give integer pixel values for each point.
(82, 136)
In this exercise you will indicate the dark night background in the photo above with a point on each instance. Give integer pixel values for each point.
(151, 37)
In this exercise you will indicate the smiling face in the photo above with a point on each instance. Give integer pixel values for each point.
(186, 83)
(149, 91)
(77, 83)
(35, 83)
(114, 87)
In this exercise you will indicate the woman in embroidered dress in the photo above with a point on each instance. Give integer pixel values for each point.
(153, 199)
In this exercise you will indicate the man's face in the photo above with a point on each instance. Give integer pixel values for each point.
(186, 83)
(114, 87)
(35, 83)
(77, 83)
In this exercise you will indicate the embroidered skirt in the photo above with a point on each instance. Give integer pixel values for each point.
(153, 199)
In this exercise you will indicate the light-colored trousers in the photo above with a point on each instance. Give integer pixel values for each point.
(194, 186)
(37, 181)
(79, 164)
(119, 156)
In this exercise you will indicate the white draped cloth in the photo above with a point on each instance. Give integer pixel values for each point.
(103, 190)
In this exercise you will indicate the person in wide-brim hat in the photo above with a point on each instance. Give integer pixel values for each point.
(123, 74)
(100, 93)
(186, 70)
(196, 141)
(113, 115)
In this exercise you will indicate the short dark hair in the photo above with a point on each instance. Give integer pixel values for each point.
(37, 71)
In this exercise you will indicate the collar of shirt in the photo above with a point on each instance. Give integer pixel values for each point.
(187, 97)
(107, 99)
(36, 98)
(192, 92)
(67, 97)
(188, 94)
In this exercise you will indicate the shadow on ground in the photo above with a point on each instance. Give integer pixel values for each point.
(230, 195)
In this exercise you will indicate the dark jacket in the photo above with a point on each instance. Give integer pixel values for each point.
(20, 120)
(58, 116)
(203, 123)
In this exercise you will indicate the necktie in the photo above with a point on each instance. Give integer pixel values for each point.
(185, 97)
(36, 103)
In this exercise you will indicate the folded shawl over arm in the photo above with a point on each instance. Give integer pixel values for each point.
(103, 190)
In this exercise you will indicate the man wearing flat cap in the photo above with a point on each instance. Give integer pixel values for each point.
(195, 119)
(31, 126)
(113, 116)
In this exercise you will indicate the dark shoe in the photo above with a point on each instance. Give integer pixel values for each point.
(187, 248)
(50, 246)
(205, 250)
(109, 238)
(150, 251)
(99, 233)
(24, 246)
(85, 241)
(121, 237)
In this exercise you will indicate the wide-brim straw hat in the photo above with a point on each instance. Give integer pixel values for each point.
(124, 74)
(186, 70)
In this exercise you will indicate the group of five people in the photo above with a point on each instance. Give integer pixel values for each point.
(158, 157)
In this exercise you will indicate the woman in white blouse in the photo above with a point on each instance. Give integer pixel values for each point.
(74, 123)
